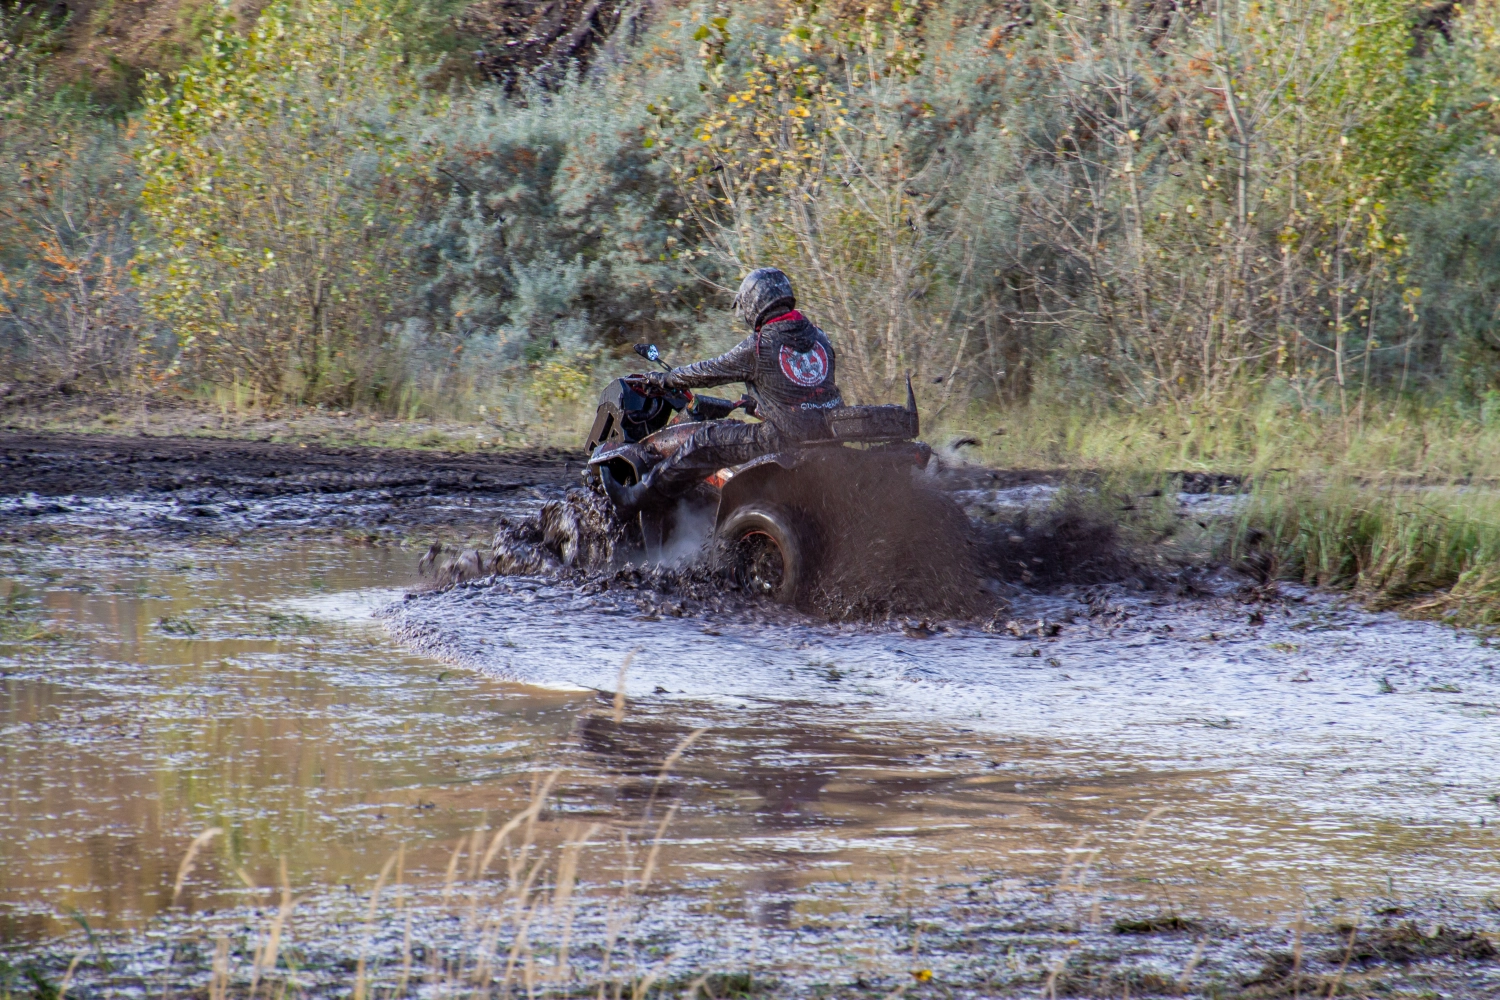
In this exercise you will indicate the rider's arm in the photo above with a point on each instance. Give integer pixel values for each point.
(735, 365)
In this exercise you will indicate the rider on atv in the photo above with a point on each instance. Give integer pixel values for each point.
(787, 366)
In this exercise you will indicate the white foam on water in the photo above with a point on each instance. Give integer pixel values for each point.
(346, 606)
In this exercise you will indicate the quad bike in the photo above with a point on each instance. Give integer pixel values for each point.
(763, 511)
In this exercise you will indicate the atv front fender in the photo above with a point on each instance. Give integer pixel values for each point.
(629, 462)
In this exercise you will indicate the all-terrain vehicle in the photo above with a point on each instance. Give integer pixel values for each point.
(765, 513)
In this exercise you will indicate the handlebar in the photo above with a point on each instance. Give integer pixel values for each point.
(699, 407)
(639, 384)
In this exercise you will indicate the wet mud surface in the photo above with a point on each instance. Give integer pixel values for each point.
(1197, 787)
(213, 484)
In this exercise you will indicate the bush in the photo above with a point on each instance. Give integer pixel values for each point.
(68, 316)
(560, 231)
(1139, 209)
(280, 187)
(1216, 216)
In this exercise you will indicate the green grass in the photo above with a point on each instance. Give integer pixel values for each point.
(1431, 552)
(1405, 439)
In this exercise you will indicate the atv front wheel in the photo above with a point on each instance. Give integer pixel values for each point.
(764, 550)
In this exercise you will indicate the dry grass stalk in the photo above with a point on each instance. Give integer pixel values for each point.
(1049, 987)
(1338, 980)
(639, 990)
(537, 886)
(651, 855)
(186, 867)
(67, 980)
(1135, 838)
(218, 986)
(475, 840)
(1077, 868)
(267, 954)
(521, 943)
(619, 713)
(671, 762)
(562, 896)
(1297, 956)
(405, 960)
(615, 919)
(1187, 972)
(359, 973)
(452, 873)
(527, 815)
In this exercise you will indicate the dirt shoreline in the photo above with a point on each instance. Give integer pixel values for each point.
(55, 463)
(88, 465)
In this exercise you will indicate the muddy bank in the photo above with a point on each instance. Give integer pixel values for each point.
(218, 485)
(985, 936)
(58, 465)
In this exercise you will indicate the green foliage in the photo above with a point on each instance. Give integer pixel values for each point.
(1431, 552)
(279, 190)
(67, 318)
(1241, 220)
(1104, 205)
(559, 232)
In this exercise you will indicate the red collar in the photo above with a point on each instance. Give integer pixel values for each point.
(793, 315)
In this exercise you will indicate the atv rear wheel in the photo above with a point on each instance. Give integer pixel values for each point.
(765, 551)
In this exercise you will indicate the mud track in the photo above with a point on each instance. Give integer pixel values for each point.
(60, 465)
(56, 482)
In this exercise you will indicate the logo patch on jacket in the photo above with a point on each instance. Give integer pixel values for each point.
(805, 368)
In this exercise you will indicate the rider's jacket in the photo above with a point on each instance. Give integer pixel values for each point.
(787, 365)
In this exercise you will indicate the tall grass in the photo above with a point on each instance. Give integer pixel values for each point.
(1431, 552)
(507, 918)
(1399, 439)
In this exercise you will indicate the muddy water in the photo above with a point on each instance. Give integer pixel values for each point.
(154, 686)
(1316, 753)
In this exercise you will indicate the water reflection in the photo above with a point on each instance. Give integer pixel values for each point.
(150, 691)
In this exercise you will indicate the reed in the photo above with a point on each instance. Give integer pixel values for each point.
(1397, 440)
(513, 892)
(1430, 552)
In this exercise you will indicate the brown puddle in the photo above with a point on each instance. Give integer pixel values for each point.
(152, 690)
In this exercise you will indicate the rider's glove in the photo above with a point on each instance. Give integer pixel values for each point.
(656, 380)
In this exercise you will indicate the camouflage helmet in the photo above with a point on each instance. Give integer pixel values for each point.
(763, 290)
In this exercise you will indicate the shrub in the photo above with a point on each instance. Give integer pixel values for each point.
(68, 316)
(560, 232)
(279, 188)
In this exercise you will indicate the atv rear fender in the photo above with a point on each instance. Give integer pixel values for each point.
(769, 477)
(756, 479)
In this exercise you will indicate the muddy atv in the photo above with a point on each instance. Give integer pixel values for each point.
(762, 513)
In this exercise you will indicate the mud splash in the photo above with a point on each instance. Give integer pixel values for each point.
(885, 548)
(577, 534)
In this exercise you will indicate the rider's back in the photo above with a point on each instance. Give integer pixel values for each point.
(793, 382)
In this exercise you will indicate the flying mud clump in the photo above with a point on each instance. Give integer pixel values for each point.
(576, 535)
